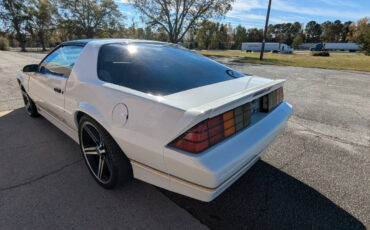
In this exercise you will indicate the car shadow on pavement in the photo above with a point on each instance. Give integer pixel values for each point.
(267, 198)
(264, 198)
(44, 182)
(32, 148)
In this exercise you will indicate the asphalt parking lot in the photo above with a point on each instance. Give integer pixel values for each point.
(44, 184)
(315, 176)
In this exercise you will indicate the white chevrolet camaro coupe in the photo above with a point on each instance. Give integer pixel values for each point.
(156, 112)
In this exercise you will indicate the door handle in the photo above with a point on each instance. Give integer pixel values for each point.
(58, 90)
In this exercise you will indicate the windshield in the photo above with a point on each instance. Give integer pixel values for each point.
(159, 69)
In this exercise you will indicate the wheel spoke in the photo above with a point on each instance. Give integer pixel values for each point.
(95, 154)
(90, 151)
(107, 163)
(91, 135)
(101, 166)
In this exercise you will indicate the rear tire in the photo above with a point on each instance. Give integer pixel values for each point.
(105, 160)
(30, 106)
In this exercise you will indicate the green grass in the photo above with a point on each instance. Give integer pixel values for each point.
(343, 61)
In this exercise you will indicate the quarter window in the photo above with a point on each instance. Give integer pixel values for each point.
(61, 61)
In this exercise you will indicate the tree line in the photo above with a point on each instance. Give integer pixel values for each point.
(46, 23)
(212, 35)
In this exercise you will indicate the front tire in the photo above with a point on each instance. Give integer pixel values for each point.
(30, 106)
(104, 158)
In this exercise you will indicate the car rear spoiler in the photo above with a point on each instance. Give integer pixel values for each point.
(224, 104)
(211, 109)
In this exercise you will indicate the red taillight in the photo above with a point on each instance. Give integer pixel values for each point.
(195, 140)
(216, 129)
(193, 147)
(211, 131)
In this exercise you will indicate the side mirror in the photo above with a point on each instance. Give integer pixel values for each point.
(31, 68)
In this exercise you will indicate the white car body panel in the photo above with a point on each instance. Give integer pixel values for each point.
(150, 122)
(41, 90)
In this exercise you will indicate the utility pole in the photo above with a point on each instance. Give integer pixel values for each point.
(264, 32)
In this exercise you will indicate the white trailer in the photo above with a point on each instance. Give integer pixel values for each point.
(352, 47)
(269, 47)
(341, 46)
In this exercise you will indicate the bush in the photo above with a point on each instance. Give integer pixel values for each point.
(4, 43)
(297, 41)
(364, 40)
(320, 53)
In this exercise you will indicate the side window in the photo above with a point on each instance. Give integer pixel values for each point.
(61, 61)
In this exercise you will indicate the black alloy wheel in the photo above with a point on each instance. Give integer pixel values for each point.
(30, 106)
(103, 157)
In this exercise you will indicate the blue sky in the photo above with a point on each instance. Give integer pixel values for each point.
(252, 13)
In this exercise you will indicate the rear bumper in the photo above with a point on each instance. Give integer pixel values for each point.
(207, 175)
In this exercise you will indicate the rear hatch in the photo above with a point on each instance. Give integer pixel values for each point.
(220, 94)
(219, 119)
(209, 101)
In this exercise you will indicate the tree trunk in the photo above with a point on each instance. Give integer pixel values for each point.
(22, 41)
(21, 38)
(23, 46)
(172, 37)
(42, 42)
(43, 46)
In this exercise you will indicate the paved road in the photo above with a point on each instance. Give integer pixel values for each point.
(10, 65)
(316, 175)
(44, 184)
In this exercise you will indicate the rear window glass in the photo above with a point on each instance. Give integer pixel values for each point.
(159, 69)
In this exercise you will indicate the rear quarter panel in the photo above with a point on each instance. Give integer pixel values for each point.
(146, 131)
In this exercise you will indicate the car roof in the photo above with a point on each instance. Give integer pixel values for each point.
(102, 41)
(77, 42)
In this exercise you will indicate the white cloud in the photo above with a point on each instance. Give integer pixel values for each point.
(123, 1)
(252, 13)
(241, 13)
(249, 5)
(290, 6)
(247, 17)
(342, 3)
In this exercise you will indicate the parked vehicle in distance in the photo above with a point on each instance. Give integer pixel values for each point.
(269, 47)
(156, 112)
(351, 47)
